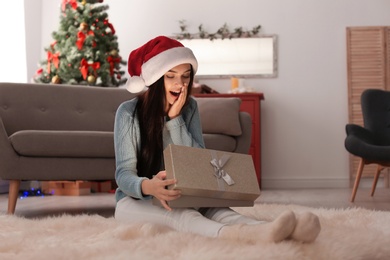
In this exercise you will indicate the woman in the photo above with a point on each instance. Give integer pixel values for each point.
(163, 114)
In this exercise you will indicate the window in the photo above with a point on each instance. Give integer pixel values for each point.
(13, 65)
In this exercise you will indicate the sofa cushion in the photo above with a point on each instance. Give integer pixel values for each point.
(220, 142)
(43, 143)
(220, 115)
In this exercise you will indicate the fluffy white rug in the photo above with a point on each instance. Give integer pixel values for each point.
(346, 234)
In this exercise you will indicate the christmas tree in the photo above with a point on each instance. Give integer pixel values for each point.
(85, 48)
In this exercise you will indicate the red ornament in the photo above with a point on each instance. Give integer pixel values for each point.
(84, 65)
(111, 60)
(53, 44)
(52, 57)
(110, 26)
(73, 4)
(81, 38)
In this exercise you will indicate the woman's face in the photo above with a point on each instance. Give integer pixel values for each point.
(174, 80)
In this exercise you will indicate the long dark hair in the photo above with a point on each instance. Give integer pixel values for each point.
(151, 112)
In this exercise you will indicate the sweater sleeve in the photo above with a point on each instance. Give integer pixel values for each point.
(186, 129)
(126, 140)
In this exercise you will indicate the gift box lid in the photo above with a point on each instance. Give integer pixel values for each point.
(202, 172)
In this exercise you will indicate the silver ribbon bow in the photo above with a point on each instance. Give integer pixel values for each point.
(219, 172)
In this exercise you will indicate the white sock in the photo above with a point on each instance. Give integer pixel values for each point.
(307, 227)
(275, 231)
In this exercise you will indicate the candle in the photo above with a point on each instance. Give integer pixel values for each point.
(234, 82)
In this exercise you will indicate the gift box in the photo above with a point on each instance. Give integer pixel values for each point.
(101, 186)
(66, 188)
(210, 178)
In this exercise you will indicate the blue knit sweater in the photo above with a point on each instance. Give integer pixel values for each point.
(184, 129)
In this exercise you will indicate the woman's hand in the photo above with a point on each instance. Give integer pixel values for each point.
(176, 107)
(157, 188)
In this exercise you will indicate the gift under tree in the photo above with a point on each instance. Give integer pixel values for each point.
(85, 48)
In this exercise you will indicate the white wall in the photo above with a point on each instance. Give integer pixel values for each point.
(305, 108)
(33, 24)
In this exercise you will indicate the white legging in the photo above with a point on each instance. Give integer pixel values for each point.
(180, 219)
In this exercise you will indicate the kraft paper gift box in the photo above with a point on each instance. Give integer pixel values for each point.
(199, 176)
(66, 188)
(101, 186)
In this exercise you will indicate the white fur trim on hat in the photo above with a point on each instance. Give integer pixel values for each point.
(156, 67)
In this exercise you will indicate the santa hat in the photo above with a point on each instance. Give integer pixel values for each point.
(152, 60)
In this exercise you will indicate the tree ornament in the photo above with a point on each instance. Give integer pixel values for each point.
(112, 60)
(83, 26)
(81, 38)
(114, 53)
(91, 79)
(52, 57)
(72, 3)
(84, 65)
(109, 26)
(53, 44)
(56, 80)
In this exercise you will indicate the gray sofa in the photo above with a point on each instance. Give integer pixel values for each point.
(59, 132)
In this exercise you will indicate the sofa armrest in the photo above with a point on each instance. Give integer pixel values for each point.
(7, 153)
(244, 140)
(220, 115)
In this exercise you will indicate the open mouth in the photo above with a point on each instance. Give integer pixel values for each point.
(176, 94)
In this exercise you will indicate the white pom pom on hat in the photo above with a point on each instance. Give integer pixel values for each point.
(152, 60)
(135, 84)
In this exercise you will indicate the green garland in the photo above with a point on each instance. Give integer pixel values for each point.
(221, 33)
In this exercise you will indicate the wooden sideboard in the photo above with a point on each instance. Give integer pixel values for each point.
(251, 104)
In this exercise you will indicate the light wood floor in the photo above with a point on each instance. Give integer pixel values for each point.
(104, 203)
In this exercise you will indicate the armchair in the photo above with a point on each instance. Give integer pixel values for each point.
(372, 142)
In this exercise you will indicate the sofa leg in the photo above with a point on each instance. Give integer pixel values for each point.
(13, 195)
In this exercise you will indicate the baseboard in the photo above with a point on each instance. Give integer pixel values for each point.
(318, 183)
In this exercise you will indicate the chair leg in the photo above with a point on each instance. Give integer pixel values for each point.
(13, 195)
(357, 180)
(376, 177)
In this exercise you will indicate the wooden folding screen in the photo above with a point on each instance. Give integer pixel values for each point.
(368, 61)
